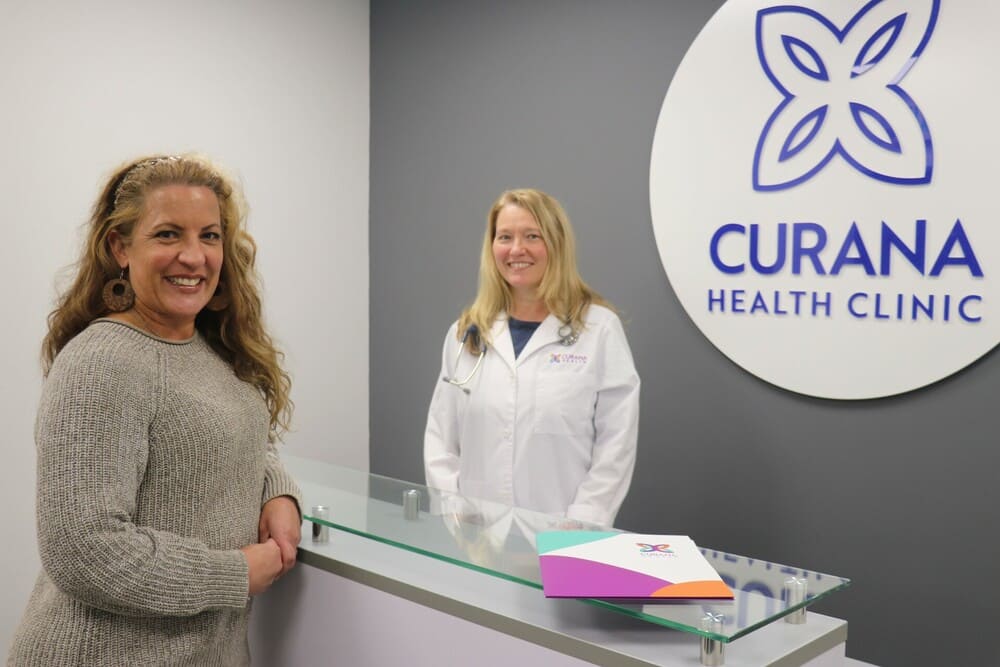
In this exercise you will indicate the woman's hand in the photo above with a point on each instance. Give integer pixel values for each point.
(280, 521)
(263, 564)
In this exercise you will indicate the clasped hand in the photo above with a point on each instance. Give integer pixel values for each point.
(279, 531)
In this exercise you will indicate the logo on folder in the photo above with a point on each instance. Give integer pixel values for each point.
(819, 195)
(654, 549)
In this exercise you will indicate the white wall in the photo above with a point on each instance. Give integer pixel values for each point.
(277, 91)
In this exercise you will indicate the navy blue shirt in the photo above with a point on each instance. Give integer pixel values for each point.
(520, 333)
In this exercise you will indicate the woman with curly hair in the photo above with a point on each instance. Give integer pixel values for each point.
(162, 505)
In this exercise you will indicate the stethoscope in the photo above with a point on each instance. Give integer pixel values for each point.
(567, 336)
(473, 330)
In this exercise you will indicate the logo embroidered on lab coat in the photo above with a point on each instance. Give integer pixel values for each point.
(567, 358)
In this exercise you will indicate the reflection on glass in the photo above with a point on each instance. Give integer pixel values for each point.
(500, 540)
(498, 537)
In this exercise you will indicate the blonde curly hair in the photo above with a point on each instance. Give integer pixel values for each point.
(236, 332)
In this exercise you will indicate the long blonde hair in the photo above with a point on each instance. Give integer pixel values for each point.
(562, 289)
(236, 332)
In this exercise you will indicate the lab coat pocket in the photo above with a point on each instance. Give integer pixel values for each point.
(564, 401)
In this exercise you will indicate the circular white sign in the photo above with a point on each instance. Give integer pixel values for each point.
(823, 191)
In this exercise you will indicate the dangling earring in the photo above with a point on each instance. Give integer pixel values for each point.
(118, 294)
(220, 300)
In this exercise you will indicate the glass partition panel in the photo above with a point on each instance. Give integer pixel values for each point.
(499, 540)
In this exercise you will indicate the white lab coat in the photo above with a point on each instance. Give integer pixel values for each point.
(553, 431)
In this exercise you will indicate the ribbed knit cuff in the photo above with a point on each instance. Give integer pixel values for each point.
(230, 586)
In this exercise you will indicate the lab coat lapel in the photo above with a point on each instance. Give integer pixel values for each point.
(546, 333)
(502, 343)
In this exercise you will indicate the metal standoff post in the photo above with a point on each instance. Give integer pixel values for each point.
(321, 533)
(795, 593)
(712, 649)
(411, 505)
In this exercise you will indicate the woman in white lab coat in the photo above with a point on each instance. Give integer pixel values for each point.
(549, 419)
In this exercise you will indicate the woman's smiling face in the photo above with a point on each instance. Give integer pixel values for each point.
(519, 249)
(174, 257)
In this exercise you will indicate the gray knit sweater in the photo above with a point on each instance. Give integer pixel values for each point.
(153, 464)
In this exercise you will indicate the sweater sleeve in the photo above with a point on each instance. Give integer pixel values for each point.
(92, 436)
(277, 481)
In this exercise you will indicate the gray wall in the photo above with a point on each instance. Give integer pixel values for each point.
(471, 98)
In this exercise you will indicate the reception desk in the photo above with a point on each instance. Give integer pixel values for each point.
(454, 581)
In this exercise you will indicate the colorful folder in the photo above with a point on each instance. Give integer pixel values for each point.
(610, 565)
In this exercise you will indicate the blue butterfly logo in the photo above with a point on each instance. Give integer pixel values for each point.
(842, 95)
